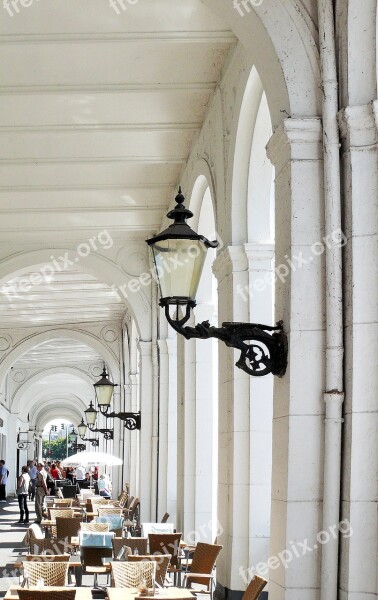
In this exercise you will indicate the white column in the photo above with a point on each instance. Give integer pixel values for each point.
(189, 417)
(298, 430)
(359, 551)
(172, 435)
(118, 438)
(204, 431)
(163, 425)
(134, 439)
(260, 296)
(231, 271)
(146, 401)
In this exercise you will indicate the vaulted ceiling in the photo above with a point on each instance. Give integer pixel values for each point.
(99, 108)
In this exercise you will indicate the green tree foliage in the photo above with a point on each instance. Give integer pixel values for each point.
(58, 449)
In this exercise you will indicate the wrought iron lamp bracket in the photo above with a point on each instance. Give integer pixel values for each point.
(263, 348)
(78, 447)
(107, 433)
(132, 419)
(94, 441)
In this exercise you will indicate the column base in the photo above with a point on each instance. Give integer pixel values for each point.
(222, 593)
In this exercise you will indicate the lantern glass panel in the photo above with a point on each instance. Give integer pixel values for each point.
(179, 264)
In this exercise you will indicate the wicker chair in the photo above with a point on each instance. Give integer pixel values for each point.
(136, 544)
(130, 575)
(118, 544)
(91, 561)
(50, 546)
(53, 573)
(165, 518)
(254, 589)
(62, 503)
(94, 527)
(66, 594)
(162, 563)
(167, 543)
(67, 527)
(48, 557)
(132, 515)
(102, 512)
(60, 512)
(200, 571)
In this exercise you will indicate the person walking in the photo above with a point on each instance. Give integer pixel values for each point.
(40, 492)
(3, 481)
(22, 492)
(33, 472)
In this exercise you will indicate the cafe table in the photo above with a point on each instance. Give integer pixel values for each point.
(82, 593)
(169, 593)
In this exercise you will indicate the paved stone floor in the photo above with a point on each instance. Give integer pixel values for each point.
(11, 546)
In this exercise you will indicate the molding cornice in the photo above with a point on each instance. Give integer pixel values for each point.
(208, 86)
(104, 127)
(296, 140)
(176, 37)
(231, 259)
(95, 159)
(359, 126)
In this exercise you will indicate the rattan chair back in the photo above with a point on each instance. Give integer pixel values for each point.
(48, 557)
(99, 527)
(103, 512)
(166, 543)
(62, 503)
(130, 501)
(254, 589)
(131, 574)
(203, 561)
(118, 544)
(92, 556)
(60, 512)
(49, 546)
(68, 527)
(162, 563)
(137, 544)
(52, 573)
(66, 594)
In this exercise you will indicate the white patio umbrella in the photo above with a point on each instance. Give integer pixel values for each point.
(92, 459)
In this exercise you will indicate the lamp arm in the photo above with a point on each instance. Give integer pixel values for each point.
(263, 348)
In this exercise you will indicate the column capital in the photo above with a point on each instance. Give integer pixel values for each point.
(359, 125)
(296, 139)
(231, 259)
(260, 256)
(162, 345)
(145, 348)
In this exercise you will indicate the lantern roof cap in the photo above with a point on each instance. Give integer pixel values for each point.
(179, 228)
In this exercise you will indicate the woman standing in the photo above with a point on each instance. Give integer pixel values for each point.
(23, 483)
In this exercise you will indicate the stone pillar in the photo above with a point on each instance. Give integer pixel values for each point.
(163, 425)
(295, 149)
(359, 550)
(146, 400)
(189, 417)
(231, 271)
(260, 297)
(167, 428)
(135, 438)
(172, 437)
(204, 432)
(117, 442)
